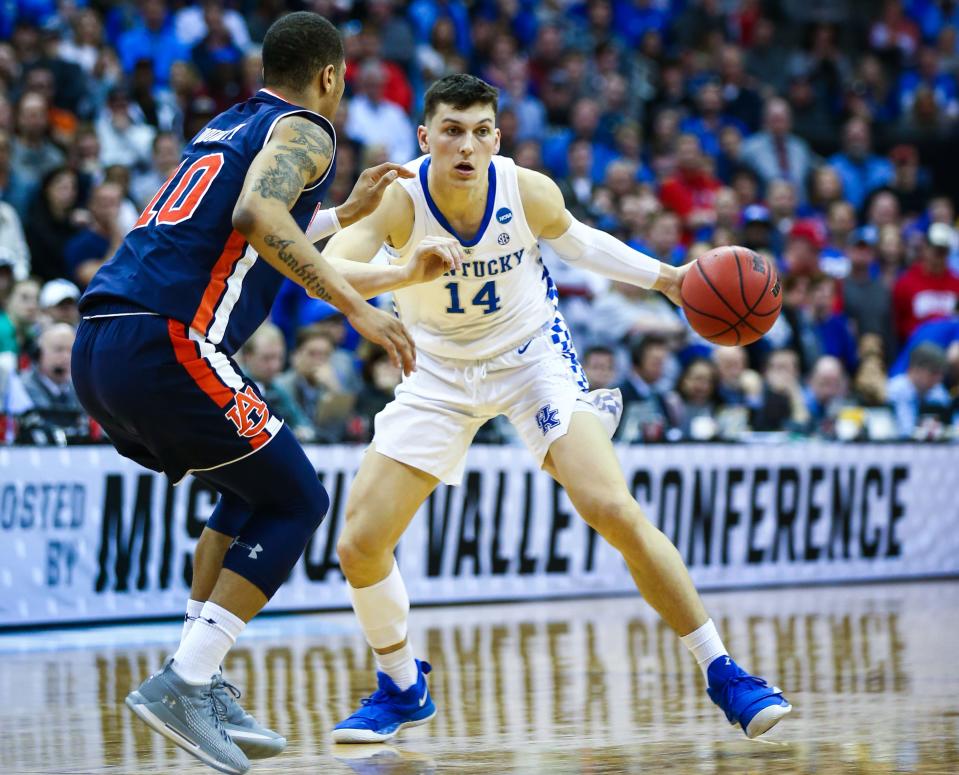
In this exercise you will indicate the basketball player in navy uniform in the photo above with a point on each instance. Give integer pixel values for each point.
(153, 360)
(490, 340)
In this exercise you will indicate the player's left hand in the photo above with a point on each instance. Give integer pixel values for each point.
(671, 281)
(434, 257)
(368, 191)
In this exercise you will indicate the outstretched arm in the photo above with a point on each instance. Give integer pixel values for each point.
(297, 154)
(582, 245)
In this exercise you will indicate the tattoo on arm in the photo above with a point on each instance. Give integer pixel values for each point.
(295, 162)
(306, 273)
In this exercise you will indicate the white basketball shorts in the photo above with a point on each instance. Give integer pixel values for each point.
(440, 406)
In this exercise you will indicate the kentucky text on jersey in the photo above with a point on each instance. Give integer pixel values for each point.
(183, 259)
(499, 265)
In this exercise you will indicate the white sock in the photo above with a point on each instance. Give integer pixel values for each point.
(193, 608)
(705, 644)
(203, 649)
(399, 665)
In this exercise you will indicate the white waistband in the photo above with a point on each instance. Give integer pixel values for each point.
(118, 315)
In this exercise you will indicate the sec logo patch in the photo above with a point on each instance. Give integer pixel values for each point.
(503, 238)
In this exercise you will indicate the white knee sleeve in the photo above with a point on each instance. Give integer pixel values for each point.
(383, 610)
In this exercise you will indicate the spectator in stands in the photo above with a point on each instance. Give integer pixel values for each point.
(577, 186)
(869, 387)
(793, 330)
(124, 138)
(758, 231)
(867, 300)
(784, 402)
(930, 75)
(919, 390)
(928, 289)
(833, 331)
(804, 243)
(861, 170)
(599, 363)
(825, 393)
(217, 57)
(96, 243)
(23, 308)
(840, 225)
(825, 191)
(710, 119)
(736, 381)
(314, 385)
(34, 154)
(374, 120)
(767, 60)
(154, 38)
(648, 410)
(627, 310)
(910, 185)
(52, 221)
(58, 302)
(166, 156)
(15, 189)
(691, 191)
(263, 357)
(776, 152)
(380, 378)
(13, 243)
(698, 390)
(55, 415)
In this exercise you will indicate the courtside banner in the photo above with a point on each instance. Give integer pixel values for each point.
(86, 535)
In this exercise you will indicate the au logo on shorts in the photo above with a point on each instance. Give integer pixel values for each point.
(546, 418)
(248, 413)
(504, 215)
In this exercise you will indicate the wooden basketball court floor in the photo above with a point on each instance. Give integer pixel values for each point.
(589, 686)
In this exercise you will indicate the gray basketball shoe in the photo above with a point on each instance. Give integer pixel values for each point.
(256, 741)
(186, 715)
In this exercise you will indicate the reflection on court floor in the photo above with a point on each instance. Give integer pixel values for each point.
(591, 686)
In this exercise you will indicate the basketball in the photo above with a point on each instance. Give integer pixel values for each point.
(732, 296)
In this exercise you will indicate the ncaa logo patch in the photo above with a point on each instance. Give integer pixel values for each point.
(503, 238)
(504, 215)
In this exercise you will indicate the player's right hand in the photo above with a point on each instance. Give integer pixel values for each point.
(434, 257)
(387, 331)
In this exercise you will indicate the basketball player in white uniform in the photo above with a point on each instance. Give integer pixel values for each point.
(490, 340)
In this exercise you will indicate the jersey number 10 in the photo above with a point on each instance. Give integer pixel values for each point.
(485, 297)
(185, 198)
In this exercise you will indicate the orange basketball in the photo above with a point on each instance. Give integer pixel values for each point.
(732, 295)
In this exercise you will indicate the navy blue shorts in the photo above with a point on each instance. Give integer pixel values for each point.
(167, 398)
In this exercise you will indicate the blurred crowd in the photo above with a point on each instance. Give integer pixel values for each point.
(822, 133)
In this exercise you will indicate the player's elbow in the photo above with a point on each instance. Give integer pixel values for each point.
(245, 219)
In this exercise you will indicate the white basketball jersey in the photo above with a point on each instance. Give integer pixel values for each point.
(502, 296)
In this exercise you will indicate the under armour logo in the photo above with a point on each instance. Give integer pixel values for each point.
(546, 418)
(254, 550)
(168, 701)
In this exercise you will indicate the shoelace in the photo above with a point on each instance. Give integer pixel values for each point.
(221, 707)
(209, 696)
(378, 696)
(728, 688)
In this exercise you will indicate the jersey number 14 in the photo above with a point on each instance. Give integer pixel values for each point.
(485, 297)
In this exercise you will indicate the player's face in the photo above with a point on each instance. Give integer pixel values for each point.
(461, 142)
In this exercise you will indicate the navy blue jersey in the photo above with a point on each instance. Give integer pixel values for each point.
(183, 259)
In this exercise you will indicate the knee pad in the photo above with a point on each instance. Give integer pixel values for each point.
(383, 610)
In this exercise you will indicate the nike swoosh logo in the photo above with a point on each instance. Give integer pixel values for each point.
(522, 349)
(423, 698)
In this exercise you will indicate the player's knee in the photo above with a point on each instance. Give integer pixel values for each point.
(358, 548)
(613, 516)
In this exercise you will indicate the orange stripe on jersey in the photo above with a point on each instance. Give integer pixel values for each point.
(218, 277)
(188, 357)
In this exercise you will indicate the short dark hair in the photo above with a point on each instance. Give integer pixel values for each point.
(598, 349)
(928, 355)
(297, 47)
(644, 345)
(461, 91)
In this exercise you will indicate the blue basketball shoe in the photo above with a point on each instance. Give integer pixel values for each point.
(388, 710)
(745, 699)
